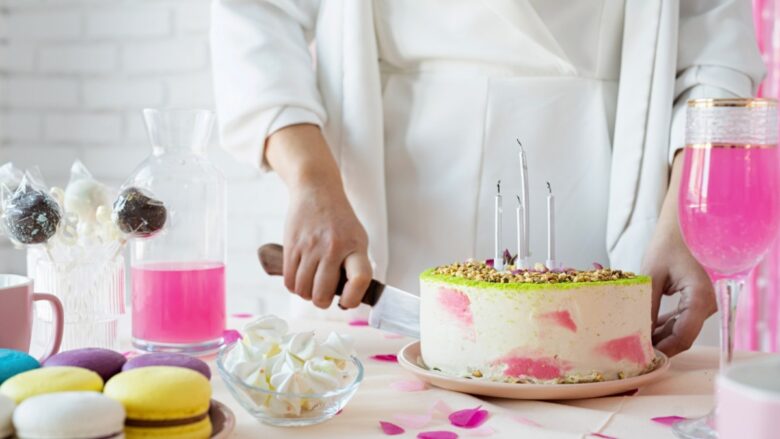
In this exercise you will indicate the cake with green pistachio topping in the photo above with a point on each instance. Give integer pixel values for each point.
(537, 325)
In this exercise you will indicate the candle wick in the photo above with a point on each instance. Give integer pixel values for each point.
(498, 186)
(549, 188)
(519, 201)
(520, 143)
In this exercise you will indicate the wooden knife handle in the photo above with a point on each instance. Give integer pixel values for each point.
(272, 259)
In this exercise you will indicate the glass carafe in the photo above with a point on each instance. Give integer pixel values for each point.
(178, 273)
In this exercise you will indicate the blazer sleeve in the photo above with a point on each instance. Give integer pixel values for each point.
(263, 71)
(717, 57)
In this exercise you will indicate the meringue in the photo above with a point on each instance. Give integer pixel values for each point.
(295, 366)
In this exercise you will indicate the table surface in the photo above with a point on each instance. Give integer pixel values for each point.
(685, 390)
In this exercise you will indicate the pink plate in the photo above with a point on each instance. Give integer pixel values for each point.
(410, 359)
(223, 421)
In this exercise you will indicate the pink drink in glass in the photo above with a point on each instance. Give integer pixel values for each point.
(179, 303)
(729, 205)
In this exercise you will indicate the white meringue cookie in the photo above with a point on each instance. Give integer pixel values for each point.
(302, 345)
(324, 375)
(338, 347)
(265, 328)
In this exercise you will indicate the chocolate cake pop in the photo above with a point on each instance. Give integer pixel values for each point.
(31, 216)
(137, 214)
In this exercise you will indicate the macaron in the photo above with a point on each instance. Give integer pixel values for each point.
(6, 412)
(104, 362)
(50, 380)
(15, 362)
(163, 402)
(167, 359)
(69, 415)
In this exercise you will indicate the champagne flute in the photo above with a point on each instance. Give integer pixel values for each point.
(728, 205)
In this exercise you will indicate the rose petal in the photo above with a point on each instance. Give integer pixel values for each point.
(437, 435)
(231, 335)
(242, 315)
(525, 421)
(598, 266)
(489, 262)
(469, 418)
(391, 429)
(413, 422)
(388, 358)
(483, 431)
(668, 420)
(408, 386)
(359, 322)
(441, 408)
(602, 435)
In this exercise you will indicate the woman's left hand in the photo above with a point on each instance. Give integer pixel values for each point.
(675, 271)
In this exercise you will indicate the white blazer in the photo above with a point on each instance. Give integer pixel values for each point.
(265, 78)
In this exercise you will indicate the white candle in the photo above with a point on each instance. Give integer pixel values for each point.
(498, 260)
(526, 253)
(519, 215)
(550, 228)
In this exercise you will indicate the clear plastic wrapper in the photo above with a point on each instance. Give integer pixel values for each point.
(30, 215)
(138, 213)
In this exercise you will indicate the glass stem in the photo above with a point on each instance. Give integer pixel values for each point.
(727, 291)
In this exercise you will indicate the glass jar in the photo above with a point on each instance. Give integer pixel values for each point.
(178, 273)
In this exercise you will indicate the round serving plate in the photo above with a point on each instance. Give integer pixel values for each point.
(223, 421)
(411, 360)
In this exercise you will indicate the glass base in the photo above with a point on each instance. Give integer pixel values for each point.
(699, 428)
(194, 349)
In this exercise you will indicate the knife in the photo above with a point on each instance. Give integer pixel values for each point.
(392, 309)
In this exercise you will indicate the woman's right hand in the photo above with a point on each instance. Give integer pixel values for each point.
(322, 233)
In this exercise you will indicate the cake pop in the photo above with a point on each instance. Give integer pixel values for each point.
(31, 216)
(138, 214)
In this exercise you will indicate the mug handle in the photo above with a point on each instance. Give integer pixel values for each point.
(59, 320)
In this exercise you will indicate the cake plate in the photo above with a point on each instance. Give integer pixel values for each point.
(411, 360)
(223, 421)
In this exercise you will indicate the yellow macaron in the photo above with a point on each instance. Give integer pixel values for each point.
(50, 380)
(163, 401)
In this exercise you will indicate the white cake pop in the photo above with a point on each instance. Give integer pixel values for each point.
(84, 196)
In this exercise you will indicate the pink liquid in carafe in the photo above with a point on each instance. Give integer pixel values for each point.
(180, 303)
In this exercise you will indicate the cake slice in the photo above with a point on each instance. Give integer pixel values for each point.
(535, 326)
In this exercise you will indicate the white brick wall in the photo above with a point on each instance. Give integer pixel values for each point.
(74, 75)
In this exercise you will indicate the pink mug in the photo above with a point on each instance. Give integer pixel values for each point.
(749, 400)
(16, 314)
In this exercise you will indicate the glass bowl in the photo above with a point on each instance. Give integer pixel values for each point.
(316, 407)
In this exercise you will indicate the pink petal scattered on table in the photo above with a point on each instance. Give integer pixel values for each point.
(668, 420)
(231, 335)
(408, 386)
(483, 431)
(393, 336)
(241, 315)
(602, 436)
(440, 407)
(413, 422)
(391, 429)
(388, 358)
(358, 322)
(339, 412)
(469, 418)
(437, 435)
(525, 421)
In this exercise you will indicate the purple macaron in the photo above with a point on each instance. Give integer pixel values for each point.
(104, 362)
(167, 359)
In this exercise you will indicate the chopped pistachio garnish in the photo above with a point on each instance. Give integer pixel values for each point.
(480, 271)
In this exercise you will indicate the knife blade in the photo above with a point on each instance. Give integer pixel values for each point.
(392, 309)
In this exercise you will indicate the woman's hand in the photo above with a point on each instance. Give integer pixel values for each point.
(322, 233)
(675, 271)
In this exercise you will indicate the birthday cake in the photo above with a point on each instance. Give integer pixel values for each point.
(535, 326)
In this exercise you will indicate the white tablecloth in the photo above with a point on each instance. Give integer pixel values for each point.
(686, 390)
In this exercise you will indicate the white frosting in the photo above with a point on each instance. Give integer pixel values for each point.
(551, 334)
(269, 358)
